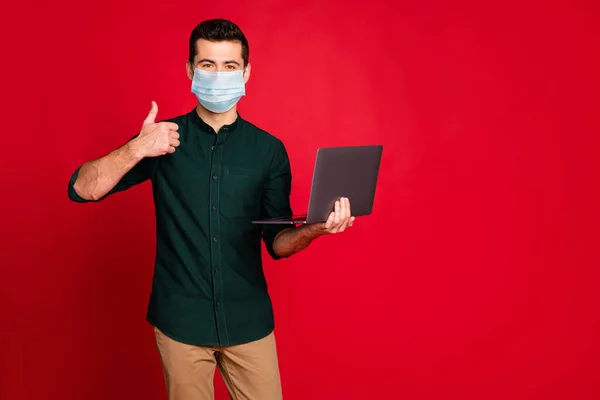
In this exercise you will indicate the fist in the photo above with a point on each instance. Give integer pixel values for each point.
(156, 139)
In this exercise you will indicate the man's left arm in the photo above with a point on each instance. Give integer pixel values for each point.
(293, 240)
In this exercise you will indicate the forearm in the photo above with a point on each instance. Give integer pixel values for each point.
(96, 178)
(293, 240)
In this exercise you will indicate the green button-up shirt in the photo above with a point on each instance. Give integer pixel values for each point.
(208, 286)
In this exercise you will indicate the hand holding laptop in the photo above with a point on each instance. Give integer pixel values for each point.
(339, 220)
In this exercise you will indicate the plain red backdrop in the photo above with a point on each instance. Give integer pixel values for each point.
(476, 277)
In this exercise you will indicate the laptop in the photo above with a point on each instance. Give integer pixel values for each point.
(349, 171)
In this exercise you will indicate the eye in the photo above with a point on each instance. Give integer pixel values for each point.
(206, 65)
(230, 66)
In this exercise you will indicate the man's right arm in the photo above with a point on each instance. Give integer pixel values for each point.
(95, 179)
(98, 177)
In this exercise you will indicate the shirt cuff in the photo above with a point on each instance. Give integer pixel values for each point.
(73, 196)
(270, 232)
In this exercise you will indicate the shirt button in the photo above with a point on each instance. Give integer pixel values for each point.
(213, 148)
(218, 304)
(215, 239)
(217, 270)
(214, 208)
(215, 177)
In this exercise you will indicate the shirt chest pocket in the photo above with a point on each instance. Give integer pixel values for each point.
(241, 191)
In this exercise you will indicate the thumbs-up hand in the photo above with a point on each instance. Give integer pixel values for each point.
(156, 139)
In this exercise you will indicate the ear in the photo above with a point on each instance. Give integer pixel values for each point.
(247, 73)
(189, 69)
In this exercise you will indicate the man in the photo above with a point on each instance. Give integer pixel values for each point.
(212, 173)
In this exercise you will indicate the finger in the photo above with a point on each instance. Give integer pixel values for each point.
(152, 114)
(338, 209)
(349, 208)
(345, 217)
(171, 149)
(174, 135)
(342, 214)
(171, 126)
(345, 210)
(345, 214)
(174, 142)
(329, 221)
(348, 211)
(351, 222)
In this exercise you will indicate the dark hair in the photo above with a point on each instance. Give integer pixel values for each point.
(218, 30)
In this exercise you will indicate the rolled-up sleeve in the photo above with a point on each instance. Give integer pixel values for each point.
(73, 195)
(276, 196)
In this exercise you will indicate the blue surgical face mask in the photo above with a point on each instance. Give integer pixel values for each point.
(218, 91)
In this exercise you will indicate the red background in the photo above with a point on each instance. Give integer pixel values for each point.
(475, 278)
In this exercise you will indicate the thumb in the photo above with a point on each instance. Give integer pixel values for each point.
(152, 114)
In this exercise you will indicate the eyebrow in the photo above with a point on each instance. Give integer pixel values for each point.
(213, 62)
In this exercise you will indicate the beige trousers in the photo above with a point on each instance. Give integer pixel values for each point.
(250, 371)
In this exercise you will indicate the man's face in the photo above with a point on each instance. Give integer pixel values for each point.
(218, 57)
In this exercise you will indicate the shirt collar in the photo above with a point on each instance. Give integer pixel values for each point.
(199, 122)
